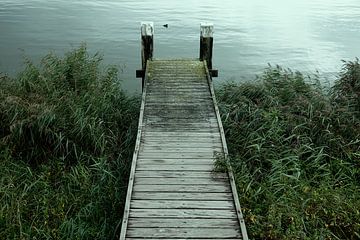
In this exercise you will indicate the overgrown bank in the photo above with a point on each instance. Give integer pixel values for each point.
(295, 150)
(67, 132)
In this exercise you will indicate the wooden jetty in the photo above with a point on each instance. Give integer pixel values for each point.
(173, 191)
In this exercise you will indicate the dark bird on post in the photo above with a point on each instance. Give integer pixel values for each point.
(166, 25)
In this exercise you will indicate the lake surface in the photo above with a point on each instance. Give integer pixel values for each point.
(306, 35)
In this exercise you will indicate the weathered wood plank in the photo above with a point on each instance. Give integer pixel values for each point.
(182, 238)
(182, 223)
(176, 174)
(161, 149)
(205, 168)
(211, 133)
(186, 86)
(179, 139)
(183, 213)
(173, 145)
(181, 126)
(183, 188)
(181, 204)
(184, 161)
(177, 130)
(180, 154)
(179, 104)
(182, 196)
(184, 232)
(185, 140)
(180, 181)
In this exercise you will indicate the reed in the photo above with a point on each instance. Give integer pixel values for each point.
(67, 133)
(295, 151)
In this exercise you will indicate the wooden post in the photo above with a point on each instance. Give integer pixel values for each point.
(147, 47)
(206, 43)
(147, 42)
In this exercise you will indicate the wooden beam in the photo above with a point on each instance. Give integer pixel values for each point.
(140, 73)
(226, 156)
(127, 207)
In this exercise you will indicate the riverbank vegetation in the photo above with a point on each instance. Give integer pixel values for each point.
(295, 151)
(67, 133)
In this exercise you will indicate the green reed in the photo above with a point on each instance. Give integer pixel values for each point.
(67, 132)
(295, 151)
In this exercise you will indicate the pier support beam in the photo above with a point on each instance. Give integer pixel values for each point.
(206, 46)
(147, 47)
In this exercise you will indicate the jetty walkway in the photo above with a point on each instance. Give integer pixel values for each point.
(173, 191)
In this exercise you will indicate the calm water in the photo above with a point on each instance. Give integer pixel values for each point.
(307, 35)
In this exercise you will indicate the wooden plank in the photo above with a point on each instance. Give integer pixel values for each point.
(182, 223)
(181, 204)
(180, 181)
(205, 168)
(179, 92)
(183, 188)
(196, 116)
(175, 174)
(174, 101)
(212, 133)
(179, 139)
(184, 119)
(177, 130)
(186, 145)
(175, 140)
(166, 95)
(161, 149)
(180, 154)
(175, 161)
(181, 84)
(182, 196)
(174, 111)
(183, 213)
(160, 99)
(165, 86)
(182, 238)
(180, 104)
(213, 233)
(198, 127)
(133, 165)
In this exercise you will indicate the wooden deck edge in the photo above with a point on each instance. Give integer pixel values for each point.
(226, 153)
(134, 161)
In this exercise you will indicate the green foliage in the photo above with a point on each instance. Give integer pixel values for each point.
(67, 133)
(295, 152)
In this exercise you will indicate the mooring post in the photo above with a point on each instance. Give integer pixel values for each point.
(147, 47)
(206, 45)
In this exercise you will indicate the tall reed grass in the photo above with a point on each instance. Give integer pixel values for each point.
(67, 132)
(295, 151)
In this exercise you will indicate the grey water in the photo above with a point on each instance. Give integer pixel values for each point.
(308, 35)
